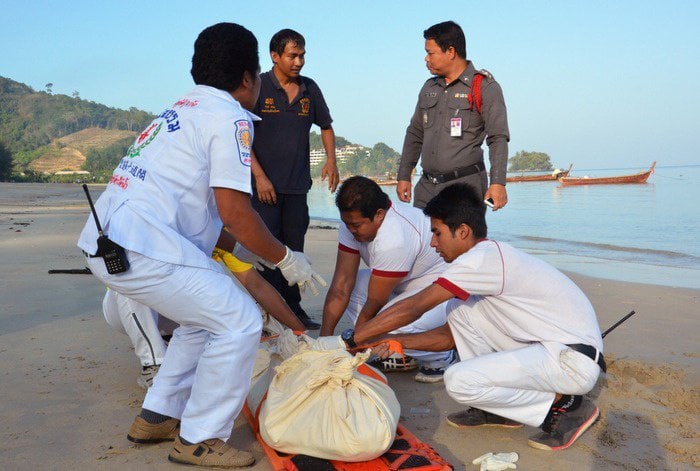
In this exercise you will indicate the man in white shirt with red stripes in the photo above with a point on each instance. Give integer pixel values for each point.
(527, 336)
(393, 240)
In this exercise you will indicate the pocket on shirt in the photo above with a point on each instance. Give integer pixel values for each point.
(458, 107)
(428, 110)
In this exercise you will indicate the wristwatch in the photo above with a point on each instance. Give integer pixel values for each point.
(349, 338)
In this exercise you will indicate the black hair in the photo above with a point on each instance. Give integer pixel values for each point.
(448, 34)
(222, 54)
(459, 204)
(361, 194)
(281, 38)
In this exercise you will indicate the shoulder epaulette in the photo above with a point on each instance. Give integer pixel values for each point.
(487, 75)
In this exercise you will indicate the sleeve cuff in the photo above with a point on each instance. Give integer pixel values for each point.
(389, 274)
(452, 288)
(347, 249)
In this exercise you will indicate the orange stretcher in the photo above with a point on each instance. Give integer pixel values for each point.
(406, 453)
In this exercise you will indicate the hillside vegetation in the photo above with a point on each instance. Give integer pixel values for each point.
(46, 133)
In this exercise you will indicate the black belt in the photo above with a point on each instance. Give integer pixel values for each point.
(88, 255)
(436, 178)
(590, 352)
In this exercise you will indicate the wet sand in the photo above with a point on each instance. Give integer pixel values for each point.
(68, 382)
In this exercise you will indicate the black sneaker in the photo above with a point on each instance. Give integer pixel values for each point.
(309, 323)
(564, 425)
(473, 417)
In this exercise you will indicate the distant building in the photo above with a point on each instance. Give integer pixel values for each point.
(317, 156)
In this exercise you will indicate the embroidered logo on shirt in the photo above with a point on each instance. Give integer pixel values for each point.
(186, 103)
(244, 139)
(144, 139)
(305, 106)
(269, 106)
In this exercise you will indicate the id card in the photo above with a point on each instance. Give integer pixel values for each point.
(455, 127)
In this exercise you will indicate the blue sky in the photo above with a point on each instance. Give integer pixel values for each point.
(600, 84)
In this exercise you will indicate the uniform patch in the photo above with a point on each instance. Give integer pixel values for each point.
(305, 106)
(269, 106)
(244, 139)
(144, 139)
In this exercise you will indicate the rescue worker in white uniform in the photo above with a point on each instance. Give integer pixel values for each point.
(144, 326)
(185, 178)
(528, 339)
(394, 242)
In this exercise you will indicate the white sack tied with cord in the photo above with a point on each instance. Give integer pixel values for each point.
(318, 404)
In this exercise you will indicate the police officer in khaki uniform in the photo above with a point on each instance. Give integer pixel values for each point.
(451, 121)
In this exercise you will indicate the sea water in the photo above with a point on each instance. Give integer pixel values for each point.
(644, 233)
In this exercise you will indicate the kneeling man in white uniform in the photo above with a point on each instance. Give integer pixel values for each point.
(184, 178)
(393, 240)
(528, 339)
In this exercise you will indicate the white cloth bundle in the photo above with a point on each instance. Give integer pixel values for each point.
(318, 404)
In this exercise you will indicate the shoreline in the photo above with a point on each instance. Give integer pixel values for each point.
(69, 380)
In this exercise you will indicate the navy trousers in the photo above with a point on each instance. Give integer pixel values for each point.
(287, 220)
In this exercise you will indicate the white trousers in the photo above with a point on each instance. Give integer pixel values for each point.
(509, 378)
(205, 375)
(139, 322)
(429, 320)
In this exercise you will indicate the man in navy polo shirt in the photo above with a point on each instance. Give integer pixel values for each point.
(288, 105)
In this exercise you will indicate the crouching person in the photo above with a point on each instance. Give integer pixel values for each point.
(393, 240)
(185, 178)
(528, 339)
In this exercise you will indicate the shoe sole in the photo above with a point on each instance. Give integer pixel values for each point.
(149, 440)
(428, 379)
(584, 426)
(456, 425)
(187, 463)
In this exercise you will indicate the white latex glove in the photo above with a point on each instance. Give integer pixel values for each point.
(296, 268)
(245, 255)
(496, 462)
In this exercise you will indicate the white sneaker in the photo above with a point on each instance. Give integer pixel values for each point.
(426, 374)
(145, 379)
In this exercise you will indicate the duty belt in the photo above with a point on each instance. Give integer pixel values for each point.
(591, 352)
(436, 178)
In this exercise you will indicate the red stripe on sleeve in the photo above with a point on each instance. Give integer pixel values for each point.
(347, 249)
(390, 274)
(452, 288)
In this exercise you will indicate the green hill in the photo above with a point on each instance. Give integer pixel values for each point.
(32, 123)
(47, 133)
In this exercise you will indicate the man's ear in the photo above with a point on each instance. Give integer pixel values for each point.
(379, 215)
(452, 52)
(464, 231)
(275, 57)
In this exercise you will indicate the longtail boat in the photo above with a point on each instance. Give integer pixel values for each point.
(640, 177)
(555, 175)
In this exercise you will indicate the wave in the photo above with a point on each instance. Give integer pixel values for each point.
(608, 251)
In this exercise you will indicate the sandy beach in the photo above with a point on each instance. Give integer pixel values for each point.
(68, 381)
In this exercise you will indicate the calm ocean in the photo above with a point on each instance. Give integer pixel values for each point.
(646, 233)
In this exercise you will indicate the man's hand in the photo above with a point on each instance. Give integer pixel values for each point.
(265, 189)
(245, 255)
(498, 194)
(403, 190)
(330, 170)
(296, 269)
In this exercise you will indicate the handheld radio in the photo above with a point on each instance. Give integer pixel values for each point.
(113, 254)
